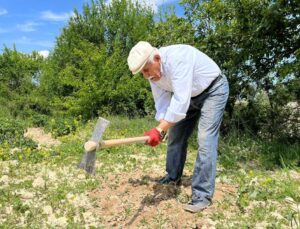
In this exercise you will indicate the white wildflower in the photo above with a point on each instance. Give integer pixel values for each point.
(57, 222)
(224, 179)
(21, 222)
(262, 225)
(4, 179)
(52, 176)
(254, 181)
(9, 210)
(277, 215)
(38, 183)
(156, 167)
(5, 169)
(62, 221)
(70, 196)
(47, 210)
(294, 174)
(99, 164)
(242, 171)
(81, 176)
(77, 218)
(25, 194)
(81, 201)
(119, 168)
(2, 220)
(89, 218)
(65, 171)
(14, 150)
(13, 162)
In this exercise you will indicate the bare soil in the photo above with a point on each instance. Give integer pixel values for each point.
(135, 200)
(43, 139)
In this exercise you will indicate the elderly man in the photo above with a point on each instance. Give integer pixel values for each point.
(187, 87)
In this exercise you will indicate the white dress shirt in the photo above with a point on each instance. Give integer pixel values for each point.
(185, 73)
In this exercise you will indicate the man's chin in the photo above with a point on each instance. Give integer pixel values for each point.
(155, 79)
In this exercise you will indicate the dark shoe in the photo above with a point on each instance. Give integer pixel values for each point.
(197, 207)
(167, 180)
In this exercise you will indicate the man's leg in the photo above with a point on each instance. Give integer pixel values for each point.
(177, 143)
(203, 181)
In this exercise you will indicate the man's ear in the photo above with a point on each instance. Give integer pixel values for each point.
(157, 58)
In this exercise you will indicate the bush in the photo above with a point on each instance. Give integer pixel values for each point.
(39, 120)
(238, 149)
(11, 130)
(62, 126)
(13, 144)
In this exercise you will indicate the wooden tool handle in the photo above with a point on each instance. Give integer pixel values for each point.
(115, 142)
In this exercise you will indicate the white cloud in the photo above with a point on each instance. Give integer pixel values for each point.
(44, 53)
(3, 11)
(154, 4)
(28, 26)
(50, 16)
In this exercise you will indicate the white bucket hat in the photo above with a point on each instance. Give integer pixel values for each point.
(138, 56)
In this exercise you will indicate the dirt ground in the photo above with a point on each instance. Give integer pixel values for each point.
(39, 136)
(135, 200)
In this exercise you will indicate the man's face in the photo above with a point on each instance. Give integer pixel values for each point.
(152, 70)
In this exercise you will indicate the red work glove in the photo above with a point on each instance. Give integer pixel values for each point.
(154, 137)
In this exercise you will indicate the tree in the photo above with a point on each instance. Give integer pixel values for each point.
(170, 29)
(255, 42)
(87, 72)
(19, 74)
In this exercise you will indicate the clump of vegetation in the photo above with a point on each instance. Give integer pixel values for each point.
(12, 133)
(62, 126)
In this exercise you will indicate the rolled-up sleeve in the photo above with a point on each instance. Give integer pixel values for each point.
(182, 78)
(162, 100)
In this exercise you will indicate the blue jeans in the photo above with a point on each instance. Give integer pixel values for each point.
(208, 108)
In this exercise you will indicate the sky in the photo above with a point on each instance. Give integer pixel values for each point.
(33, 25)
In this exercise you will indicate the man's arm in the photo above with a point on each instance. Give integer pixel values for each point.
(164, 125)
(162, 100)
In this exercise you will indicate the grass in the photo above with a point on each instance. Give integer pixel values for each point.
(44, 188)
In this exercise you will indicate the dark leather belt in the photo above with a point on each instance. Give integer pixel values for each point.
(213, 82)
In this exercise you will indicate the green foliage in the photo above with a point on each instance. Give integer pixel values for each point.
(19, 75)
(10, 130)
(280, 153)
(239, 150)
(39, 120)
(12, 137)
(257, 45)
(62, 126)
(171, 29)
(87, 73)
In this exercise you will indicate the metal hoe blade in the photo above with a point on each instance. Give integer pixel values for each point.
(99, 129)
(89, 158)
